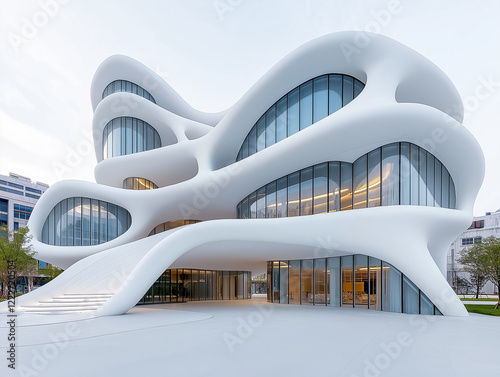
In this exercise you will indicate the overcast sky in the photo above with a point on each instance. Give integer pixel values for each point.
(211, 52)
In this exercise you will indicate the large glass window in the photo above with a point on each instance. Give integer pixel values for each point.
(334, 93)
(405, 174)
(120, 133)
(391, 288)
(284, 282)
(411, 297)
(320, 98)
(319, 281)
(126, 86)
(84, 222)
(307, 104)
(306, 282)
(271, 126)
(390, 174)
(306, 178)
(261, 133)
(361, 293)
(375, 284)
(347, 281)
(356, 281)
(294, 282)
(333, 186)
(394, 174)
(345, 186)
(333, 281)
(281, 110)
(359, 186)
(281, 197)
(293, 112)
(261, 203)
(271, 199)
(374, 178)
(320, 188)
(293, 194)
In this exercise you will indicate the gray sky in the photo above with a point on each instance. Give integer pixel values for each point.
(211, 52)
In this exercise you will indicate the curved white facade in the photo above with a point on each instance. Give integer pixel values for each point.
(405, 99)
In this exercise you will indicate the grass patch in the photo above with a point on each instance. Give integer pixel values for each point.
(483, 309)
(479, 299)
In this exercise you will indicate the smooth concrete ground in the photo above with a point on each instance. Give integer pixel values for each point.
(252, 338)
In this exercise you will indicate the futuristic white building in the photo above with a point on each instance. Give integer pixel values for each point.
(342, 170)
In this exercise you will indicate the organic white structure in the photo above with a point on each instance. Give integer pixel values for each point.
(377, 119)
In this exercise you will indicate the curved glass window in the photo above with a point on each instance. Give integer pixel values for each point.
(171, 225)
(357, 281)
(126, 86)
(84, 222)
(135, 183)
(186, 284)
(395, 174)
(303, 106)
(125, 135)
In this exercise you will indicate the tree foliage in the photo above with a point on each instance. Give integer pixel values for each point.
(50, 272)
(16, 254)
(483, 259)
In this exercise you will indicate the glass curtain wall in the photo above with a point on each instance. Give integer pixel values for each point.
(303, 106)
(125, 135)
(84, 222)
(357, 281)
(395, 174)
(126, 86)
(181, 285)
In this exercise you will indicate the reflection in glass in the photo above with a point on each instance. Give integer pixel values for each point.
(391, 288)
(319, 282)
(390, 174)
(320, 98)
(306, 282)
(430, 180)
(281, 197)
(411, 297)
(293, 195)
(374, 178)
(294, 282)
(375, 284)
(271, 126)
(271, 200)
(405, 174)
(359, 186)
(347, 281)
(276, 282)
(333, 281)
(305, 105)
(414, 178)
(320, 188)
(426, 306)
(261, 203)
(261, 133)
(284, 282)
(293, 112)
(333, 186)
(361, 294)
(345, 186)
(306, 192)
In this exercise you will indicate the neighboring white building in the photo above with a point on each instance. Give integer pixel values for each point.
(482, 227)
(345, 172)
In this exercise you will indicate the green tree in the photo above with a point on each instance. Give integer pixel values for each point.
(50, 272)
(16, 256)
(484, 259)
